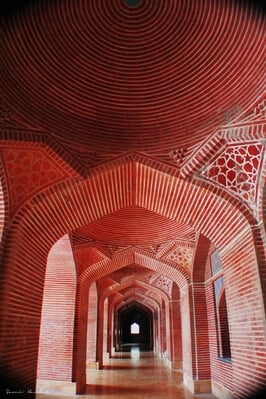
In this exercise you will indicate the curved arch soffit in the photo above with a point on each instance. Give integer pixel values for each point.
(132, 304)
(136, 283)
(117, 304)
(150, 302)
(102, 268)
(69, 205)
(152, 305)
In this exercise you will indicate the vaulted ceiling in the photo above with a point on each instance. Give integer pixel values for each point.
(103, 77)
(124, 93)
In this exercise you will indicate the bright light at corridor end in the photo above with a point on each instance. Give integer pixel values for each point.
(135, 353)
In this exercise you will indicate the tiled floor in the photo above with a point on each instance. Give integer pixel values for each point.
(136, 376)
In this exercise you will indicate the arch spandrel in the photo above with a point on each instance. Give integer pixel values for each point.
(76, 203)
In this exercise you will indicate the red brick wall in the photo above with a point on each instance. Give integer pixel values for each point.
(4, 206)
(246, 314)
(259, 238)
(2, 210)
(22, 280)
(221, 371)
(56, 333)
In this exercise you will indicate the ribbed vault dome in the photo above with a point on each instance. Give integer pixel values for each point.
(118, 75)
(136, 226)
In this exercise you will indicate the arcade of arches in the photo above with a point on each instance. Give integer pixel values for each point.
(132, 192)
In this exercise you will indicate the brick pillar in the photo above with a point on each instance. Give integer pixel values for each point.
(196, 342)
(176, 336)
(105, 329)
(92, 327)
(110, 330)
(202, 354)
(116, 332)
(163, 345)
(56, 334)
(188, 336)
(156, 332)
(102, 331)
(22, 279)
(168, 333)
(80, 338)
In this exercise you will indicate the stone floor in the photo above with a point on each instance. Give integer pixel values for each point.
(135, 375)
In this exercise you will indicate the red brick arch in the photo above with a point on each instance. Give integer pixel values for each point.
(97, 271)
(116, 305)
(134, 297)
(137, 283)
(138, 298)
(47, 217)
(129, 183)
(128, 257)
(151, 303)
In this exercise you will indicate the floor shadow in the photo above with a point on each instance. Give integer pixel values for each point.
(128, 367)
(119, 390)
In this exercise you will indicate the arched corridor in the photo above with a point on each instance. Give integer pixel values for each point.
(132, 199)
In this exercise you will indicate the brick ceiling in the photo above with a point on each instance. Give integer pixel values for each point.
(106, 76)
(104, 79)
(136, 226)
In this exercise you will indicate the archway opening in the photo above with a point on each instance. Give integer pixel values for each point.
(224, 337)
(135, 328)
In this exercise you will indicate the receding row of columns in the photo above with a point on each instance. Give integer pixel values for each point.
(180, 327)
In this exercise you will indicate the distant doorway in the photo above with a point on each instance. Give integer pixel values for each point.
(135, 328)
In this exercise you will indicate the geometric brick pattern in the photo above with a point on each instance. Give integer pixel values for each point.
(29, 171)
(237, 169)
(181, 255)
(216, 262)
(86, 257)
(164, 284)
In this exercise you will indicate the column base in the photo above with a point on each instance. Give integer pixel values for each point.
(220, 392)
(56, 387)
(197, 386)
(174, 365)
(92, 365)
(177, 365)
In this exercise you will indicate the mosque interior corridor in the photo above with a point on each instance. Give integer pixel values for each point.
(132, 199)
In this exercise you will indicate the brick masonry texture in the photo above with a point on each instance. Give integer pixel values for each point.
(114, 196)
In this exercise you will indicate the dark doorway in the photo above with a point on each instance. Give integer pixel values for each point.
(135, 328)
